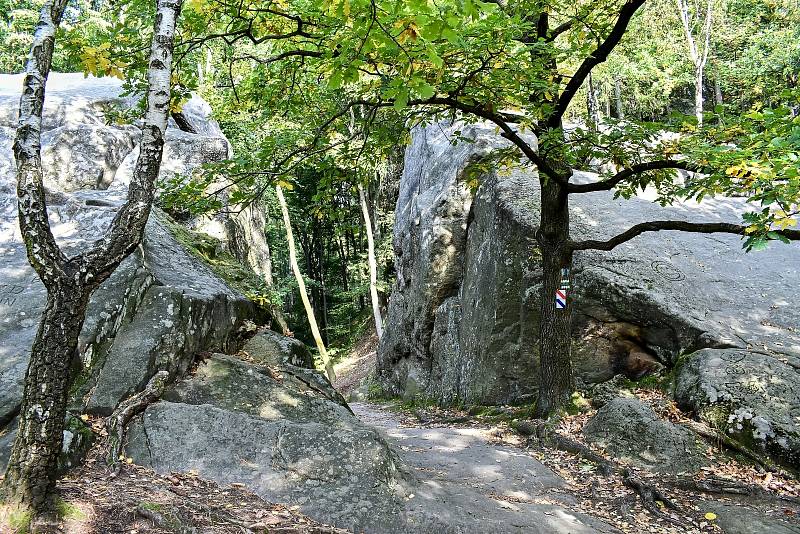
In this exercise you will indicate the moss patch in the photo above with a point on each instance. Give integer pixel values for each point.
(68, 511)
(14, 519)
(210, 251)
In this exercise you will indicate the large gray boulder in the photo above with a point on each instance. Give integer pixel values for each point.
(85, 147)
(288, 437)
(751, 396)
(85, 156)
(463, 316)
(279, 428)
(630, 430)
(158, 309)
(460, 317)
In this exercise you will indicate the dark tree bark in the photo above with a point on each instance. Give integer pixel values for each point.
(31, 472)
(555, 383)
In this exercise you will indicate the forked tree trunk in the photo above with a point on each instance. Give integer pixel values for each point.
(32, 468)
(312, 321)
(373, 267)
(555, 384)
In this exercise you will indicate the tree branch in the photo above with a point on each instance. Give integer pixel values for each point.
(558, 30)
(126, 230)
(595, 58)
(508, 133)
(43, 253)
(683, 226)
(628, 172)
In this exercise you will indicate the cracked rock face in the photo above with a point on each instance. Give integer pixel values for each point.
(463, 315)
(160, 307)
(753, 397)
(631, 431)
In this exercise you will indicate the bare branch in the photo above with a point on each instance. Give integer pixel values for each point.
(683, 226)
(125, 231)
(595, 58)
(628, 172)
(558, 30)
(43, 252)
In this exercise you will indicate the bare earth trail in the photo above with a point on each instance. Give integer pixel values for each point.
(481, 486)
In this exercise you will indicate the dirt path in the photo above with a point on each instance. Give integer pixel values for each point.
(477, 485)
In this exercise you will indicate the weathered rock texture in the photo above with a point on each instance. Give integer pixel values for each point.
(463, 317)
(159, 308)
(631, 431)
(277, 426)
(460, 317)
(753, 397)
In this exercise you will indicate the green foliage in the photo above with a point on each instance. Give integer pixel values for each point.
(224, 265)
(319, 96)
(753, 155)
(68, 511)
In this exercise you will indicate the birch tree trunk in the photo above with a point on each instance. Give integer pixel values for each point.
(373, 267)
(592, 105)
(697, 54)
(312, 321)
(30, 477)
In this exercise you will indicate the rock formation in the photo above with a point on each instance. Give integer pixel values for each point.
(630, 430)
(162, 305)
(264, 419)
(463, 316)
(752, 396)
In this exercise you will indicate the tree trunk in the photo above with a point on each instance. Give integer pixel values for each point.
(555, 384)
(342, 263)
(373, 266)
(592, 105)
(312, 322)
(717, 91)
(618, 99)
(32, 468)
(31, 473)
(698, 94)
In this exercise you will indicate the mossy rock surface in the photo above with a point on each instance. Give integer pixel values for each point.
(630, 430)
(753, 397)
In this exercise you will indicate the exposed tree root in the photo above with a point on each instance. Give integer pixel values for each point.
(722, 439)
(156, 518)
(650, 495)
(721, 486)
(130, 407)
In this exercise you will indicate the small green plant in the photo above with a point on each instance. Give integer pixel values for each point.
(16, 519)
(67, 510)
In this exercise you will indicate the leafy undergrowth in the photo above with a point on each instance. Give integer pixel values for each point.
(606, 496)
(139, 500)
